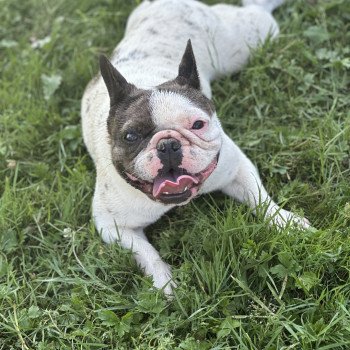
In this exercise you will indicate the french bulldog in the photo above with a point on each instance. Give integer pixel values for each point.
(151, 128)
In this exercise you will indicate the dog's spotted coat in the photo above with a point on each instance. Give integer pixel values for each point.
(152, 130)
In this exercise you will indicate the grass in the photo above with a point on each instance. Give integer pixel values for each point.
(241, 284)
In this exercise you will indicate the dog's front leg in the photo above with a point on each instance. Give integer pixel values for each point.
(144, 253)
(247, 187)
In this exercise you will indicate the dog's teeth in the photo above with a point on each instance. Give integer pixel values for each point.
(186, 188)
(166, 192)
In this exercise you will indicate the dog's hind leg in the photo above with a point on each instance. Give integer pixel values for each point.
(242, 29)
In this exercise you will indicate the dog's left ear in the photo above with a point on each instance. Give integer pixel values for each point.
(188, 74)
(117, 86)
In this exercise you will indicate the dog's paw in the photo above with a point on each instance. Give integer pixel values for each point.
(162, 278)
(282, 218)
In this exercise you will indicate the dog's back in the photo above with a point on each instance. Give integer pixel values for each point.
(222, 35)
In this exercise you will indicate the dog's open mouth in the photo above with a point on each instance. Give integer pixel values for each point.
(174, 186)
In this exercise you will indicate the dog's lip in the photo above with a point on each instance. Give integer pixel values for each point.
(194, 182)
(175, 198)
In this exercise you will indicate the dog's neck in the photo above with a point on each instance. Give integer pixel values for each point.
(148, 72)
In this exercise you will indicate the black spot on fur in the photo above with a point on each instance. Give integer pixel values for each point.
(133, 55)
(191, 24)
(124, 59)
(152, 31)
(188, 22)
(143, 20)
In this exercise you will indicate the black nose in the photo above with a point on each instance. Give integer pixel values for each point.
(168, 146)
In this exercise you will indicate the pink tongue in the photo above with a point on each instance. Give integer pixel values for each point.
(160, 185)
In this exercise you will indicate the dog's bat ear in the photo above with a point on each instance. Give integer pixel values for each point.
(117, 86)
(188, 73)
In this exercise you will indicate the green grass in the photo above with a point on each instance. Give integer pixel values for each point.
(241, 284)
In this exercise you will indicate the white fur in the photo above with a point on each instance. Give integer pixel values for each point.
(169, 106)
(222, 36)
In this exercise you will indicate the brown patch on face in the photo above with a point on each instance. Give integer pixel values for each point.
(131, 115)
(194, 95)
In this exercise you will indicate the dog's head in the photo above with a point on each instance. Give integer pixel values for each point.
(164, 141)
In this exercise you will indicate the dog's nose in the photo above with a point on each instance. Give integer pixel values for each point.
(168, 146)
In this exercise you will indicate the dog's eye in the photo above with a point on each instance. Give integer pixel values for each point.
(131, 137)
(198, 125)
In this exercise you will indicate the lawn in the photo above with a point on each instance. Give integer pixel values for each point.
(241, 283)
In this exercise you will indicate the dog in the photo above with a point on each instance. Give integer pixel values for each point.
(151, 128)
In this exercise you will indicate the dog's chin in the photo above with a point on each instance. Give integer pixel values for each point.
(176, 187)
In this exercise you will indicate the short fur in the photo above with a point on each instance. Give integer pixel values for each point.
(152, 130)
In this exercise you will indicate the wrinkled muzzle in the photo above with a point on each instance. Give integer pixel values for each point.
(174, 167)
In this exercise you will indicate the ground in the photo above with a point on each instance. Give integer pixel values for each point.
(241, 284)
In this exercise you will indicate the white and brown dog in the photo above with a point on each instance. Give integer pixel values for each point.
(152, 130)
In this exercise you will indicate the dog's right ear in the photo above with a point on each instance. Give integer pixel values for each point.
(117, 86)
(188, 73)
